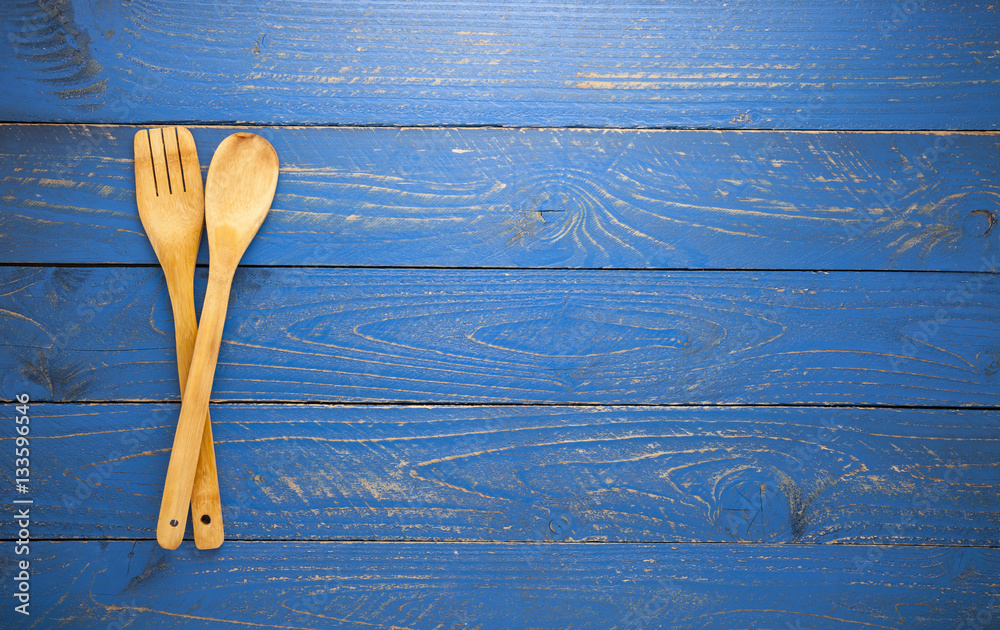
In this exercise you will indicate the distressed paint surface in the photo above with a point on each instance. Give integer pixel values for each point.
(307, 585)
(520, 336)
(541, 198)
(599, 474)
(815, 65)
(436, 321)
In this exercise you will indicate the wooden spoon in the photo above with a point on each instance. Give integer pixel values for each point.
(171, 205)
(238, 194)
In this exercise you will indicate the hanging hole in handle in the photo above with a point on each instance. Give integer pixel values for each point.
(173, 522)
(206, 519)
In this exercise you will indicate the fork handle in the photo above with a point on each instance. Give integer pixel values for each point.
(206, 502)
(178, 486)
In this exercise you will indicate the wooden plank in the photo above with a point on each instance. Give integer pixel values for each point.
(416, 586)
(622, 474)
(919, 65)
(540, 198)
(518, 336)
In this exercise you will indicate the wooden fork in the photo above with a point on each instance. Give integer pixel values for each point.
(171, 204)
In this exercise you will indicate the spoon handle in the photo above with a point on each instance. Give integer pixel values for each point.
(179, 484)
(206, 504)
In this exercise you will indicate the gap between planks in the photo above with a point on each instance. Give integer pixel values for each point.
(236, 124)
(540, 405)
(542, 543)
(103, 265)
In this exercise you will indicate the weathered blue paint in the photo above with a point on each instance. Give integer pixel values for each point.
(599, 474)
(307, 585)
(541, 198)
(752, 511)
(815, 65)
(517, 336)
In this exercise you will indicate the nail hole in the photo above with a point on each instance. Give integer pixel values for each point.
(206, 519)
(173, 522)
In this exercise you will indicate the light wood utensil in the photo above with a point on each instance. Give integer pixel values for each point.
(171, 204)
(238, 194)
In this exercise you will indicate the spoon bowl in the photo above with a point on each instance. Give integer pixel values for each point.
(238, 193)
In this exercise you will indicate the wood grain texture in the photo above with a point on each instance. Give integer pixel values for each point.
(541, 198)
(602, 474)
(518, 336)
(238, 194)
(403, 265)
(861, 65)
(411, 586)
(172, 209)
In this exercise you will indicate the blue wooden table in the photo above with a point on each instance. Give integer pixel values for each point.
(601, 315)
